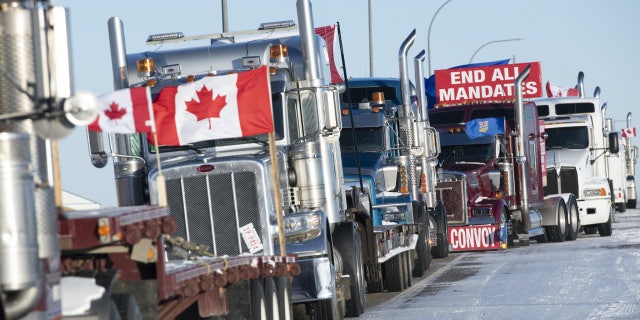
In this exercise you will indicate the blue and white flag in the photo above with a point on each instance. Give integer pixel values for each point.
(484, 127)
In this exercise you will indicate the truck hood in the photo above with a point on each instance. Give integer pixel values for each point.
(370, 162)
(463, 166)
(567, 158)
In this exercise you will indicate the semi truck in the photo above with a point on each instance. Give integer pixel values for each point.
(617, 167)
(491, 169)
(577, 145)
(376, 149)
(216, 187)
(631, 158)
(96, 263)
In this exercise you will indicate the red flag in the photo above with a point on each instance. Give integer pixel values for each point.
(218, 107)
(328, 34)
(629, 132)
(124, 111)
(557, 91)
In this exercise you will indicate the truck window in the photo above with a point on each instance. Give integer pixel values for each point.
(496, 112)
(447, 117)
(543, 110)
(467, 153)
(567, 138)
(368, 139)
(357, 95)
(573, 108)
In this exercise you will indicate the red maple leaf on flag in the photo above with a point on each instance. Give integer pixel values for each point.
(208, 107)
(115, 112)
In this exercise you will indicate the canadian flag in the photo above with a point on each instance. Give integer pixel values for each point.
(629, 132)
(557, 91)
(125, 111)
(218, 107)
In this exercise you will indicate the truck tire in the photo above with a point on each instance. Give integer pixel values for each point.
(441, 250)
(393, 277)
(631, 204)
(557, 232)
(347, 240)
(258, 300)
(271, 299)
(323, 309)
(284, 298)
(423, 249)
(621, 207)
(374, 278)
(423, 252)
(573, 223)
(605, 229)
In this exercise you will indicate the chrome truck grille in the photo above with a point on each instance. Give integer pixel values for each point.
(451, 191)
(211, 208)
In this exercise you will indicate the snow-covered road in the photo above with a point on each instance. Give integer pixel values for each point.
(591, 278)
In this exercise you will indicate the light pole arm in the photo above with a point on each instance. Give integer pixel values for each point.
(429, 35)
(490, 42)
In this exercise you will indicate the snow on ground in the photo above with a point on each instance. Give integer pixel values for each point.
(591, 278)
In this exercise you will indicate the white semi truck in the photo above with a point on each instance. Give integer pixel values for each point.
(577, 145)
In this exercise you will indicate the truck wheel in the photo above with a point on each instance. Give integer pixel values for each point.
(557, 232)
(631, 204)
(347, 240)
(573, 225)
(621, 207)
(323, 309)
(441, 250)
(374, 278)
(605, 229)
(393, 277)
(542, 238)
(284, 298)
(407, 258)
(423, 252)
(590, 229)
(258, 301)
(271, 299)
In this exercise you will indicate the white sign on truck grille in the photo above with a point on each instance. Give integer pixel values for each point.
(251, 238)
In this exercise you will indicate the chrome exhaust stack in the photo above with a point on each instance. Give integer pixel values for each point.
(580, 85)
(407, 118)
(520, 157)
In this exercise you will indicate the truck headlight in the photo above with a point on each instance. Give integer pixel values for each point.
(299, 227)
(588, 193)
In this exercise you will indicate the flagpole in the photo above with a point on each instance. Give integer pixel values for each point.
(277, 197)
(162, 187)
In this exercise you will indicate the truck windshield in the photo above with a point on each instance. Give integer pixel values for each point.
(466, 153)
(567, 138)
(369, 139)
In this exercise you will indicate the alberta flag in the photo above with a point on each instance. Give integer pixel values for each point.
(124, 111)
(218, 107)
(484, 127)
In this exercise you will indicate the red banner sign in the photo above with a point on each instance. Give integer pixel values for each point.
(472, 238)
(486, 84)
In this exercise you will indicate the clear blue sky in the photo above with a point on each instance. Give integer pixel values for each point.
(600, 38)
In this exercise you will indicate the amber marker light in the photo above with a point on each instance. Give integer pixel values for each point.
(146, 67)
(345, 112)
(191, 78)
(278, 51)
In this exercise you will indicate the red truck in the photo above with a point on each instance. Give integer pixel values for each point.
(491, 171)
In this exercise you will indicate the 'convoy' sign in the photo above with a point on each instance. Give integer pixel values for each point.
(486, 84)
(469, 238)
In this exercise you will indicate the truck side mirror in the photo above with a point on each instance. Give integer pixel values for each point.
(614, 146)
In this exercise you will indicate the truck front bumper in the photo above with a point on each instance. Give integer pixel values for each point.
(316, 280)
(595, 211)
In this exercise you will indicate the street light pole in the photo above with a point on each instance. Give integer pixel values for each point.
(429, 35)
(370, 43)
(490, 42)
